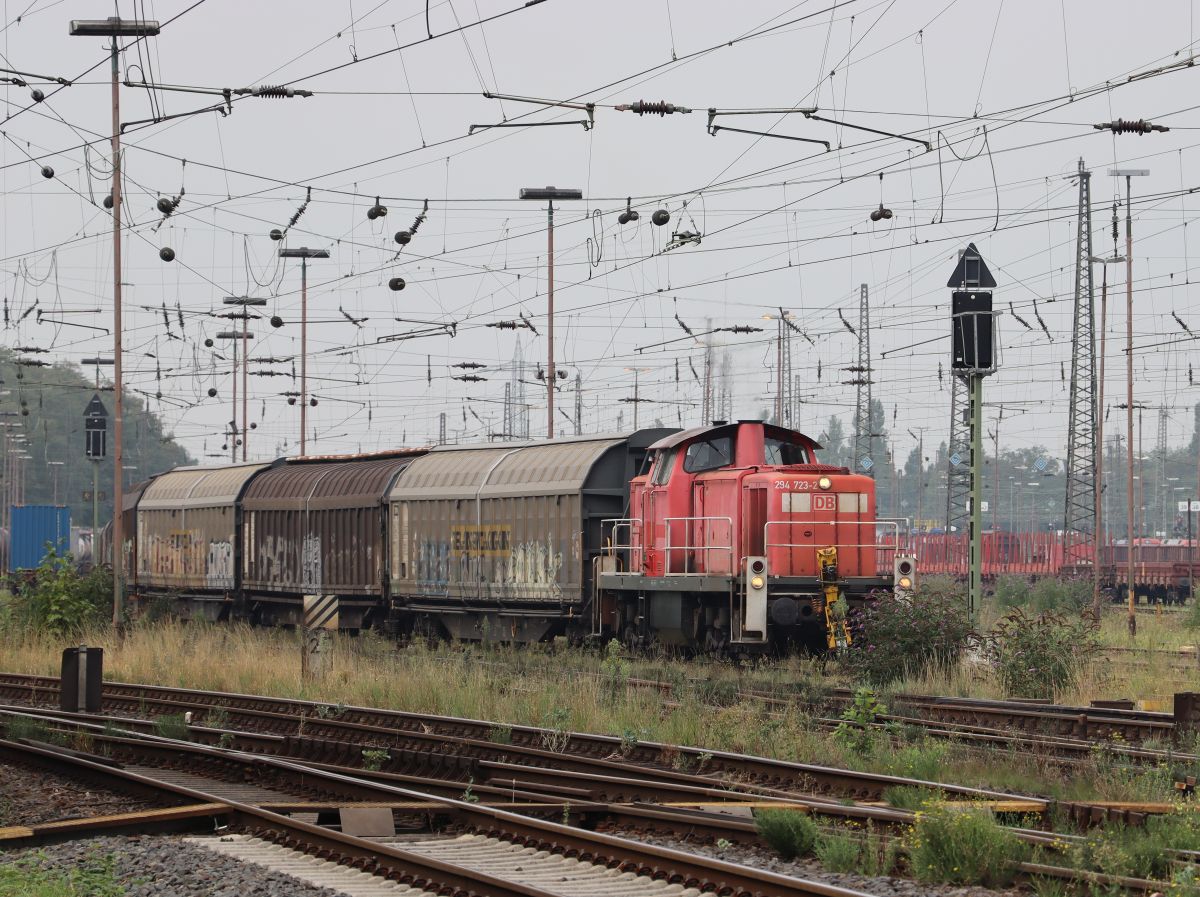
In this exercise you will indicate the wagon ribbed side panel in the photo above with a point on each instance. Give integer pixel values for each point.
(495, 525)
(186, 529)
(318, 527)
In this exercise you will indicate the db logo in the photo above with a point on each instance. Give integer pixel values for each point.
(824, 502)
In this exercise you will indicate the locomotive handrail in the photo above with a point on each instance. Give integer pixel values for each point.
(618, 523)
(814, 544)
(728, 549)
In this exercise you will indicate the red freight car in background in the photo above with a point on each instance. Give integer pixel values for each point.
(1161, 566)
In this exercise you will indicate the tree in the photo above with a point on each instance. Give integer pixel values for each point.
(833, 438)
(49, 405)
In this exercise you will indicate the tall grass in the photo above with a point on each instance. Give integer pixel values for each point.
(565, 689)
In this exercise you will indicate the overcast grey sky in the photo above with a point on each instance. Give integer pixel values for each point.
(784, 223)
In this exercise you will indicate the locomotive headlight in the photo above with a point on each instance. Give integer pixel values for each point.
(825, 483)
(756, 582)
(904, 582)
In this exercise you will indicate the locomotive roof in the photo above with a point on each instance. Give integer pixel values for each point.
(792, 436)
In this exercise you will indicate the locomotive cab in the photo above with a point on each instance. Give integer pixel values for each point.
(737, 537)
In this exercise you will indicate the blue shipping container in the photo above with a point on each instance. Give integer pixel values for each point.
(32, 527)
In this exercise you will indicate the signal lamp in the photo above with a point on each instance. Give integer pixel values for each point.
(825, 483)
(756, 582)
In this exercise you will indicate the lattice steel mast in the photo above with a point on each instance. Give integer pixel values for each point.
(958, 457)
(864, 442)
(1080, 518)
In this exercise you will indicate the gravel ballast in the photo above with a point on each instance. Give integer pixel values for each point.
(167, 866)
(31, 796)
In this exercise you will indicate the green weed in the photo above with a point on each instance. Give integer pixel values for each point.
(1140, 851)
(964, 847)
(924, 760)
(910, 797)
(374, 758)
(557, 736)
(855, 732)
(838, 852)
(171, 725)
(790, 833)
(28, 877)
(614, 670)
(24, 727)
(500, 734)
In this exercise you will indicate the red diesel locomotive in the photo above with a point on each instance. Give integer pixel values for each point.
(738, 539)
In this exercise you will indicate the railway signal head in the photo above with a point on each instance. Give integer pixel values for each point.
(904, 581)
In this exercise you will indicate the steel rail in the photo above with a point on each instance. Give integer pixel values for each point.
(581, 751)
(500, 823)
(656, 862)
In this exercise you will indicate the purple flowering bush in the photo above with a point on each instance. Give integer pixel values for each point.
(1043, 655)
(897, 637)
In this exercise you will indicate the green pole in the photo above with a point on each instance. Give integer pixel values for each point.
(975, 590)
(96, 559)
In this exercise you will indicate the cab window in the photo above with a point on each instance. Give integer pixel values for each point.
(662, 467)
(779, 452)
(708, 454)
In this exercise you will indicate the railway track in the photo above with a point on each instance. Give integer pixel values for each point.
(153, 764)
(434, 754)
(535, 851)
(455, 749)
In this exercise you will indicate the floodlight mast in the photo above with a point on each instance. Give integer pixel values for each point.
(1130, 523)
(115, 27)
(244, 301)
(304, 254)
(549, 194)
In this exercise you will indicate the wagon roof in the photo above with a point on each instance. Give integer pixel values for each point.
(541, 468)
(331, 483)
(197, 487)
